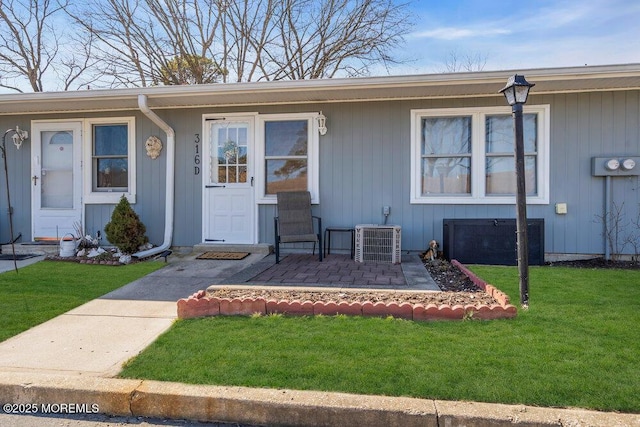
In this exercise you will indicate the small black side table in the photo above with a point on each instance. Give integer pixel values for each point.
(327, 238)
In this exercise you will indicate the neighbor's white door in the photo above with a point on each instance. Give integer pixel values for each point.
(56, 178)
(228, 205)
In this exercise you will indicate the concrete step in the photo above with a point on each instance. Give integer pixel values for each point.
(40, 248)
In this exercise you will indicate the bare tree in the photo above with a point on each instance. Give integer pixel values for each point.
(633, 238)
(246, 36)
(323, 38)
(138, 41)
(36, 48)
(460, 62)
(614, 224)
(246, 40)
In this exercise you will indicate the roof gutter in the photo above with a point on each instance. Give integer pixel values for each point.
(169, 184)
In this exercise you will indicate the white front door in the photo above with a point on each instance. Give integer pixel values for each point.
(228, 206)
(56, 178)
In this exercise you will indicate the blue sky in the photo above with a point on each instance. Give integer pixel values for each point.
(524, 34)
(512, 35)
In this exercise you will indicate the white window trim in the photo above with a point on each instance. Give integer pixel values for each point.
(111, 197)
(478, 141)
(313, 155)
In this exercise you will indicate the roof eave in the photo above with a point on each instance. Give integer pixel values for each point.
(444, 85)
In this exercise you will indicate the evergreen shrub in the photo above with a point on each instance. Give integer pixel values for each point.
(125, 230)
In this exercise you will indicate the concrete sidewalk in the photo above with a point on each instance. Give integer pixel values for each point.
(98, 337)
(73, 358)
(8, 265)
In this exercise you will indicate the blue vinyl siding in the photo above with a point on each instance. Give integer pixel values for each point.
(365, 165)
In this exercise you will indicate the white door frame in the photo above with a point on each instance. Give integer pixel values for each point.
(207, 120)
(54, 222)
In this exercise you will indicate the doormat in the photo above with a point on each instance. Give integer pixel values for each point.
(19, 257)
(223, 255)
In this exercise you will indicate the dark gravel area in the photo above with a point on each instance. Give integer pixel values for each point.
(448, 277)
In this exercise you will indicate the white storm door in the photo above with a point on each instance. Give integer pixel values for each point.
(56, 178)
(229, 208)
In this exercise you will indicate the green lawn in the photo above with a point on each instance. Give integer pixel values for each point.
(578, 345)
(43, 290)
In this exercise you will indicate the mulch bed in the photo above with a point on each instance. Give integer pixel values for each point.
(449, 277)
(597, 263)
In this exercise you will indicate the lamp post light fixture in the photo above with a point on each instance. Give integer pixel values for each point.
(516, 92)
(18, 137)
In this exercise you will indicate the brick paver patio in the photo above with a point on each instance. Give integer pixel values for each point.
(336, 270)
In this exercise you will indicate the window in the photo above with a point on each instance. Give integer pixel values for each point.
(445, 155)
(109, 160)
(288, 147)
(462, 156)
(231, 142)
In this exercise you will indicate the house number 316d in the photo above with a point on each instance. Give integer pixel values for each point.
(196, 157)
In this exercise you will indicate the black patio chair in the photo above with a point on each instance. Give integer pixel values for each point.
(294, 221)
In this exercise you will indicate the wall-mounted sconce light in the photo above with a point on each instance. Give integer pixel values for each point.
(322, 124)
(19, 136)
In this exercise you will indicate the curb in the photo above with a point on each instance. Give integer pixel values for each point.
(126, 397)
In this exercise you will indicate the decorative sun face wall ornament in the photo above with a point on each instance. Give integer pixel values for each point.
(153, 146)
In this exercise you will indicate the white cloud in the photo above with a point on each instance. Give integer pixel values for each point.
(552, 33)
(453, 33)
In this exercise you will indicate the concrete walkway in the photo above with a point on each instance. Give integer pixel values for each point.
(74, 357)
(98, 337)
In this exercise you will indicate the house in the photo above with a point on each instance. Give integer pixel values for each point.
(201, 164)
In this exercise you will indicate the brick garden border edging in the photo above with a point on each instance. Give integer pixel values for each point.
(200, 305)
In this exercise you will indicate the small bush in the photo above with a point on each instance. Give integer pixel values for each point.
(125, 230)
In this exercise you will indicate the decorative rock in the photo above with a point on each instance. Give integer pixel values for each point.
(95, 252)
(145, 247)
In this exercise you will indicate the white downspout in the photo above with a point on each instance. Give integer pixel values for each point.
(169, 184)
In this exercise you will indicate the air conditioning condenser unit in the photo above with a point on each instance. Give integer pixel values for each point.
(380, 243)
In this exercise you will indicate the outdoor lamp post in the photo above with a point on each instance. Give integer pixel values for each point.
(516, 91)
(18, 137)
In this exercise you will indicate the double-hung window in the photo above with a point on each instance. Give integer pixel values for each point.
(109, 160)
(287, 146)
(465, 156)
